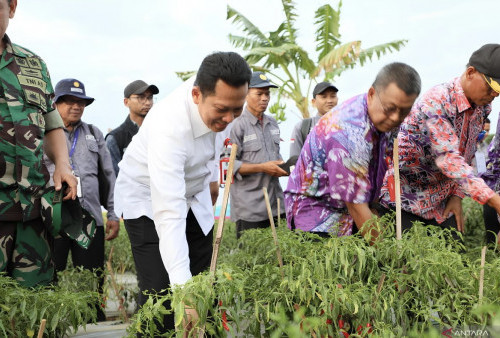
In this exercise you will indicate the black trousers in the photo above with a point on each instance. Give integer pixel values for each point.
(151, 273)
(407, 219)
(89, 259)
(242, 225)
(491, 224)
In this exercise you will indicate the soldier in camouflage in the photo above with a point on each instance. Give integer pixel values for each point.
(28, 126)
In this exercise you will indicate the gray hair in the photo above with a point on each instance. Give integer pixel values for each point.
(404, 76)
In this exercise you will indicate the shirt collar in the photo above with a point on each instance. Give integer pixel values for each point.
(458, 97)
(199, 127)
(13, 49)
(253, 120)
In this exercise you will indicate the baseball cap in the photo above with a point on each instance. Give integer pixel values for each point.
(487, 61)
(322, 86)
(259, 80)
(71, 87)
(139, 87)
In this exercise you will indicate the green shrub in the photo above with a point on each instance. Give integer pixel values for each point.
(65, 307)
(407, 287)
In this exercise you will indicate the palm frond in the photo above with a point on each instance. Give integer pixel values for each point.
(288, 8)
(245, 24)
(276, 55)
(327, 34)
(379, 50)
(184, 76)
(243, 42)
(345, 55)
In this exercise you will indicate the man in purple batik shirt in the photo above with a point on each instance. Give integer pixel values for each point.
(342, 164)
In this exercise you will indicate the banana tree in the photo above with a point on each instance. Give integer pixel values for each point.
(279, 54)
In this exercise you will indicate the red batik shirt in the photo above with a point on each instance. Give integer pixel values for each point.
(437, 142)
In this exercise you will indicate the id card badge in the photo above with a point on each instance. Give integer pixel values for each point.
(480, 162)
(78, 187)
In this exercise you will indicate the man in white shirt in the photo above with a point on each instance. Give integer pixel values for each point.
(163, 184)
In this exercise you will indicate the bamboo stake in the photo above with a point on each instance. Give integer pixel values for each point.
(222, 215)
(379, 289)
(220, 224)
(273, 229)
(42, 328)
(397, 188)
(481, 274)
(115, 286)
(380, 283)
(279, 212)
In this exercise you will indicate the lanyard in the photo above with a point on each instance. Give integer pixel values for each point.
(73, 145)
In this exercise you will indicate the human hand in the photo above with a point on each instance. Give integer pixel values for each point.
(63, 173)
(112, 229)
(190, 321)
(454, 206)
(271, 168)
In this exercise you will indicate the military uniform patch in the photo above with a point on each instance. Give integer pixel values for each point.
(31, 72)
(34, 63)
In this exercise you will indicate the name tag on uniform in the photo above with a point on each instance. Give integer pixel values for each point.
(275, 132)
(248, 138)
(78, 187)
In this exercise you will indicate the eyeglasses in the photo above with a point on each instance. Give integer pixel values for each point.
(401, 113)
(143, 98)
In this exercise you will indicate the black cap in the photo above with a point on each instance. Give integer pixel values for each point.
(139, 87)
(322, 86)
(487, 61)
(71, 87)
(259, 80)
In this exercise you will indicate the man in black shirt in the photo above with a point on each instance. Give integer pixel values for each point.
(138, 97)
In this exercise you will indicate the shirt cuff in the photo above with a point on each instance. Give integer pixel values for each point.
(53, 120)
(112, 216)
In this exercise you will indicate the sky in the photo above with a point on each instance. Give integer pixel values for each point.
(106, 44)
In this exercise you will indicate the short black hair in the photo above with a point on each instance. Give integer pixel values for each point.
(486, 120)
(403, 75)
(229, 67)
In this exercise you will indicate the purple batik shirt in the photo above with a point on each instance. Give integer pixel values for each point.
(342, 161)
(492, 175)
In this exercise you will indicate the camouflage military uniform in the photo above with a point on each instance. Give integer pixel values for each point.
(25, 115)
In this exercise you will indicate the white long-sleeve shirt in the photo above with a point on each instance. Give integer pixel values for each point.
(166, 170)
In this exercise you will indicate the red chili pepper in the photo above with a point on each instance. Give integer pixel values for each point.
(359, 330)
(224, 320)
(370, 327)
(341, 324)
(329, 322)
(346, 335)
(224, 317)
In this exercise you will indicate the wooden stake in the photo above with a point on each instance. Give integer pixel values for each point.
(220, 224)
(279, 211)
(222, 215)
(42, 328)
(380, 283)
(115, 286)
(397, 188)
(273, 229)
(379, 289)
(481, 274)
